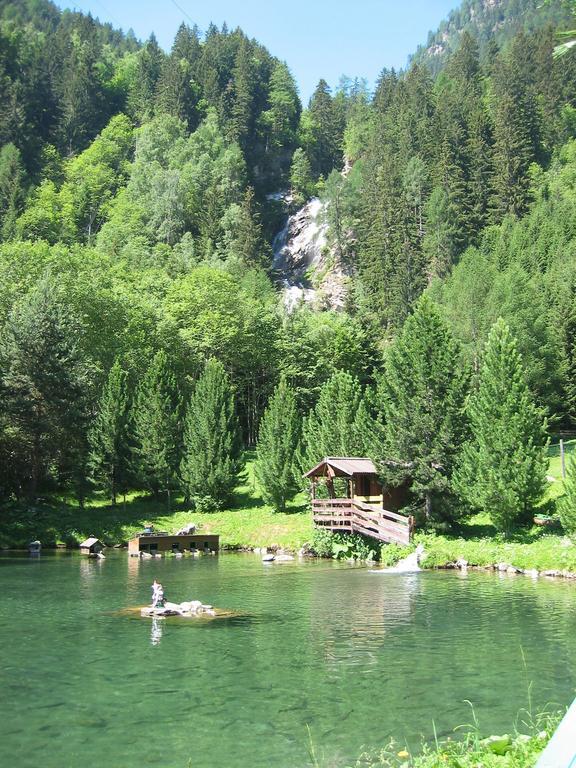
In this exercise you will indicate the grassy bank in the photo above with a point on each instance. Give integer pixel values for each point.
(247, 523)
(518, 750)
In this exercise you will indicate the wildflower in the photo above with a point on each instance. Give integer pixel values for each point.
(403, 753)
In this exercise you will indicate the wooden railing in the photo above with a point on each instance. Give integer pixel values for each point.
(353, 516)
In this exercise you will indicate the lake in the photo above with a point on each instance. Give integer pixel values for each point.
(319, 652)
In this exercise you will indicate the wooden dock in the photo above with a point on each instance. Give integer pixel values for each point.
(354, 516)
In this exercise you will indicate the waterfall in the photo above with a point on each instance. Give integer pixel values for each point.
(305, 263)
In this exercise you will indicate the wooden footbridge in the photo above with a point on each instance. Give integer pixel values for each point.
(363, 509)
(353, 516)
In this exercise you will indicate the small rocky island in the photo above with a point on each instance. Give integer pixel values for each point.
(188, 609)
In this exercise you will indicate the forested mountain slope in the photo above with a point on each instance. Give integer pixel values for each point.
(139, 195)
(491, 22)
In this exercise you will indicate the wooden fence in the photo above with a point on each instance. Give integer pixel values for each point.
(354, 516)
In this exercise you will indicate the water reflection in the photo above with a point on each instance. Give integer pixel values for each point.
(355, 657)
(351, 623)
(156, 631)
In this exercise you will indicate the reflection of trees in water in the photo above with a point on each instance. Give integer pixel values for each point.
(90, 569)
(487, 638)
(353, 617)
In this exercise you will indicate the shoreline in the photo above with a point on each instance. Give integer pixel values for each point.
(500, 568)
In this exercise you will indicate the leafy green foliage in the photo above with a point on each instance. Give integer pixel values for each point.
(520, 749)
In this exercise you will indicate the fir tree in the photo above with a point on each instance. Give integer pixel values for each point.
(517, 131)
(46, 385)
(11, 188)
(211, 442)
(242, 97)
(327, 131)
(567, 503)
(421, 401)
(301, 177)
(155, 424)
(108, 436)
(278, 438)
(248, 242)
(503, 466)
(330, 429)
(142, 94)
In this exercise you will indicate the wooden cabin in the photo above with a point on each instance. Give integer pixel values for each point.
(367, 506)
(158, 543)
(91, 546)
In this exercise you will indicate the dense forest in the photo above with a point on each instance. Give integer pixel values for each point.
(144, 342)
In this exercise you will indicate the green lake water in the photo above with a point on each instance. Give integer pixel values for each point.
(352, 657)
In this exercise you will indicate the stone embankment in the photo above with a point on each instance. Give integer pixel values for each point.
(508, 568)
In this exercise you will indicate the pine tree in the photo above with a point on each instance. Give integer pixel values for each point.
(567, 503)
(211, 442)
(46, 385)
(330, 428)
(242, 96)
(142, 94)
(301, 177)
(11, 188)
(155, 423)
(517, 131)
(80, 103)
(108, 436)
(421, 401)
(174, 90)
(503, 466)
(247, 241)
(327, 131)
(278, 438)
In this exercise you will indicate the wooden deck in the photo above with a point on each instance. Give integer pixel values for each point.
(353, 516)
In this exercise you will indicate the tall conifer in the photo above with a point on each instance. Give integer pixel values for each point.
(421, 399)
(277, 447)
(211, 441)
(156, 421)
(330, 429)
(503, 466)
(109, 456)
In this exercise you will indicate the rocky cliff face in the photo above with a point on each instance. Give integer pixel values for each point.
(306, 265)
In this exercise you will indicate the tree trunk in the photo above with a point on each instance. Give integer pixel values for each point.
(428, 506)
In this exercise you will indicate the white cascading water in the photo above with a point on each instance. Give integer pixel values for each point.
(409, 564)
(298, 250)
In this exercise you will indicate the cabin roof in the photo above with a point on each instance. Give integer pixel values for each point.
(343, 466)
(90, 542)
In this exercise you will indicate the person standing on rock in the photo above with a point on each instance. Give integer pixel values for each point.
(157, 594)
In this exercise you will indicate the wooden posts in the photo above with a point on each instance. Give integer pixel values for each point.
(354, 516)
(562, 459)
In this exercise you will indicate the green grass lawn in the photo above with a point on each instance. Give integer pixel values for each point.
(249, 522)
(556, 487)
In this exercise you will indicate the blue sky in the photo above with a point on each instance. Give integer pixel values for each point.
(317, 38)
